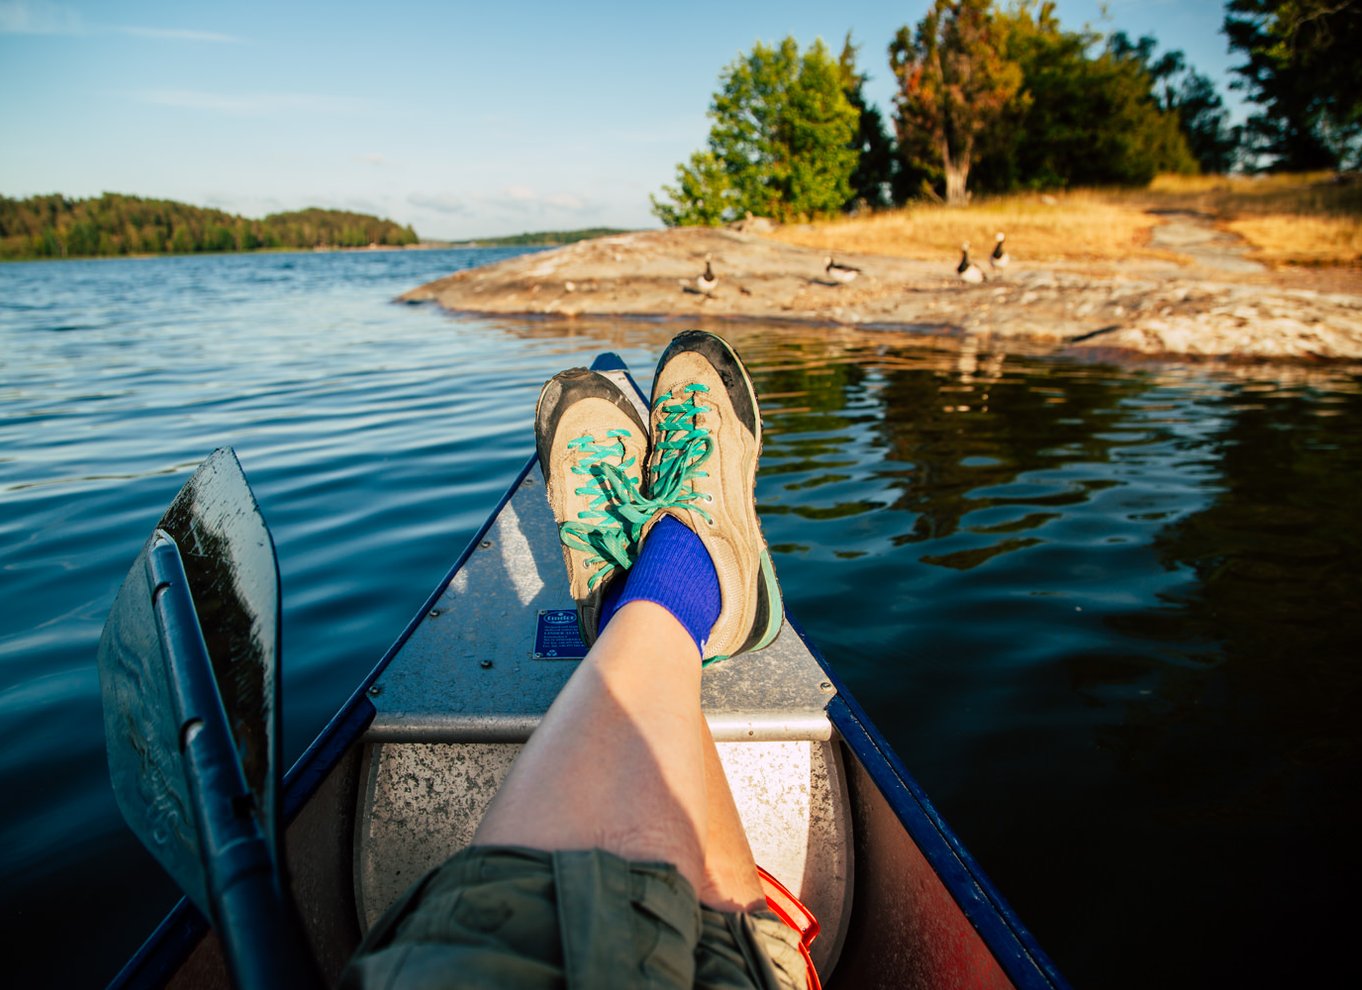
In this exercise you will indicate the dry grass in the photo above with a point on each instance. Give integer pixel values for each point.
(1081, 226)
(1303, 219)
(1294, 239)
(1307, 219)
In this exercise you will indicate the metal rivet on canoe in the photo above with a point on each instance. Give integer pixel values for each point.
(485, 544)
(826, 686)
(435, 613)
(375, 690)
(486, 665)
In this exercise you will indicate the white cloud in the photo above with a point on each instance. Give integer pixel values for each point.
(38, 17)
(43, 17)
(565, 201)
(181, 34)
(354, 204)
(439, 203)
(253, 104)
(524, 199)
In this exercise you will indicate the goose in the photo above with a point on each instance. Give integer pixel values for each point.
(707, 282)
(968, 270)
(999, 258)
(840, 273)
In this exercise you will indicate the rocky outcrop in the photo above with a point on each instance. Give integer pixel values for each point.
(1197, 309)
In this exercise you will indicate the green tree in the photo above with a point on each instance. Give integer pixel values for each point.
(1084, 115)
(181, 241)
(1179, 89)
(702, 196)
(780, 145)
(955, 82)
(872, 181)
(1302, 68)
(112, 224)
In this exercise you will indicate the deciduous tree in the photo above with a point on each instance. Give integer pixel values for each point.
(1086, 113)
(780, 145)
(113, 224)
(955, 82)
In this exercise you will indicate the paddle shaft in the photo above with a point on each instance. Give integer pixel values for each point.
(261, 937)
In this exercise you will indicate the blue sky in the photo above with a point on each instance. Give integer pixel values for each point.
(463, 119)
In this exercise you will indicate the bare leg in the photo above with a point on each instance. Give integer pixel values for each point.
(618, 762)
(731, 882)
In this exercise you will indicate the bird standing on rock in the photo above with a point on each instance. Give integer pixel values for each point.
(841, 273)
(999, 259)
(707, 282)
(968, 270)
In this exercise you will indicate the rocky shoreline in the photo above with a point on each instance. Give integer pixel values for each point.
(1219, 304)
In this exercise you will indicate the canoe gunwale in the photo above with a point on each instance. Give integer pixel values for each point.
(725, 727)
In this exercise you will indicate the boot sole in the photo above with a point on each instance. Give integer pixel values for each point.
(551, 397)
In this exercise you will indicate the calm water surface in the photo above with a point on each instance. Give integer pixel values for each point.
(1109, 617)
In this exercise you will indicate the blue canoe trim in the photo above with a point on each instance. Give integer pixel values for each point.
(1012, 945)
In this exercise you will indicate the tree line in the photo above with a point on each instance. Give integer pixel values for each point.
(992, 98)
(56, 226)
(545, 238)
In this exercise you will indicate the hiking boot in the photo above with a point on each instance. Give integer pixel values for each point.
(702, 469)
(592, 444)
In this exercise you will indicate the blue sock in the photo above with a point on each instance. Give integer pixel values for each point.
(673, 570)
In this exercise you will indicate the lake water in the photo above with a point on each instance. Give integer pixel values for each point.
(1110, 617)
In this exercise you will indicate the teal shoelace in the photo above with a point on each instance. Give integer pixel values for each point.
(605, 531)
(685, 446)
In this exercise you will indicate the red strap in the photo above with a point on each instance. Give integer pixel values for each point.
(791, 910)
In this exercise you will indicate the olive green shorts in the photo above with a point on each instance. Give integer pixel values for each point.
(507, 917)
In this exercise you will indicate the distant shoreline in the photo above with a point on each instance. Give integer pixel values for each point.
(321, 249)
(115, 225)
(543, 238)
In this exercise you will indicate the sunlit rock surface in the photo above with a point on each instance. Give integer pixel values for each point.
(1219, 304)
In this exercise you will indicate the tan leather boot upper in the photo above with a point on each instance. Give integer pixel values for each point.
(706, 439)
(590, 438)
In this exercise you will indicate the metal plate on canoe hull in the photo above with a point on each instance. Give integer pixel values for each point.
(468, 673)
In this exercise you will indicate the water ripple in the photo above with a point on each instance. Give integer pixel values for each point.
(1112, 602)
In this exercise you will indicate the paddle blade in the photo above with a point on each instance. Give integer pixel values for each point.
(229, 560)
(229, 563)
(141, 728)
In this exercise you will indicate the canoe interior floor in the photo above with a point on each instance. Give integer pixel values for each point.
(468, 686)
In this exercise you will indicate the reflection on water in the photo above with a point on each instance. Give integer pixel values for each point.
(1109, 616)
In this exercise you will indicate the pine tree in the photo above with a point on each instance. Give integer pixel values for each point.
(872, 181)
(1302, 68)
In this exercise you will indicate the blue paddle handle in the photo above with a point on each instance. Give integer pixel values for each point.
(262, 940)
